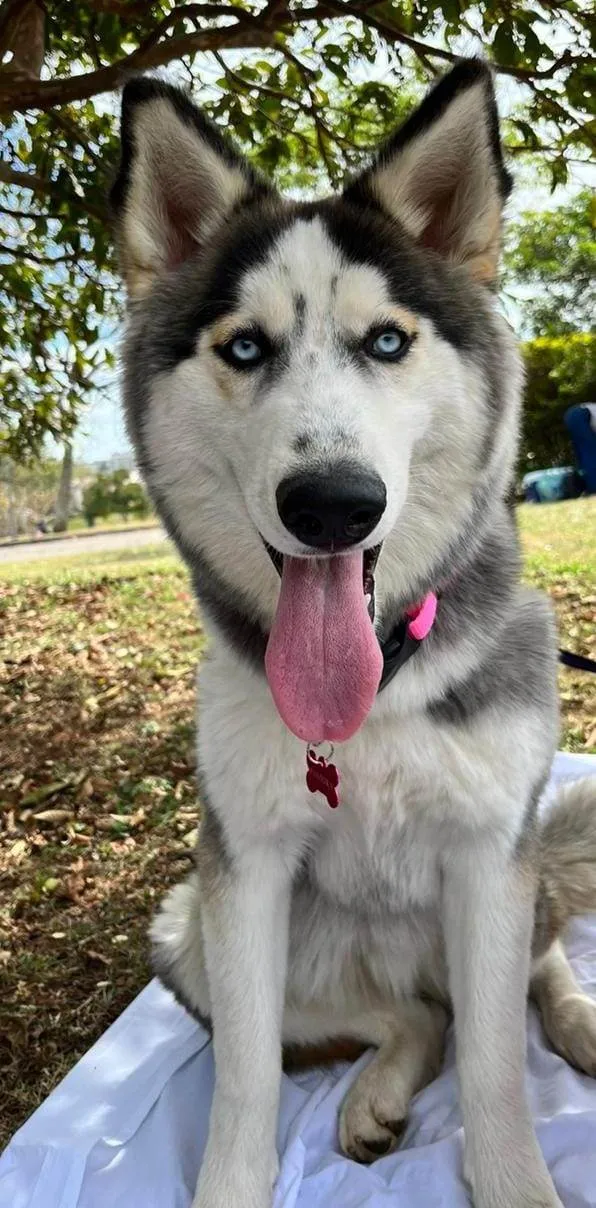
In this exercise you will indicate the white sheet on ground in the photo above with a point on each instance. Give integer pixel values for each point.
(127, 1127)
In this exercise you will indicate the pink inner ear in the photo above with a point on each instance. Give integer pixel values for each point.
(180, 219)
(438, 230)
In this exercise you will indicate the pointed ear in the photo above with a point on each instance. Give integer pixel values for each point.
(178, 179)
(442, 174)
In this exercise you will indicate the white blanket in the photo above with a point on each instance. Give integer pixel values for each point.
(127, 1127)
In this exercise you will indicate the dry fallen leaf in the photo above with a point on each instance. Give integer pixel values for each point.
(54, 816)
(17, 851)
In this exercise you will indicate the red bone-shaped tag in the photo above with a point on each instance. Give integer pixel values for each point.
(322, 777)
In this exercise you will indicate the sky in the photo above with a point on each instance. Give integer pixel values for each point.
(101, 432)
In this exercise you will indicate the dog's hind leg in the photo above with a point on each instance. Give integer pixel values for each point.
(567, 888)
(177, 948)
(409, 1037)
(568, 1015)
(409, 1056)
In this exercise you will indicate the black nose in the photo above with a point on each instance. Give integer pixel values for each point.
(333, 510)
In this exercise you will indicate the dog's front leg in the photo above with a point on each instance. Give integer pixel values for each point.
(488, 916)
(245, 908)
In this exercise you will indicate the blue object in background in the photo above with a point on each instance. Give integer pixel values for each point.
(579, 421)
(548, 486)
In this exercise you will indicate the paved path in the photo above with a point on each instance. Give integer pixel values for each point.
(71, 546)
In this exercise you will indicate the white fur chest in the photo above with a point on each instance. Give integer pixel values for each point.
(409, 786)
(386, 867)
(372, 853)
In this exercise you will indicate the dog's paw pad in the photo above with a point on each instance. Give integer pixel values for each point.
(378, 1145)
(367, 1149)
(397, 1127)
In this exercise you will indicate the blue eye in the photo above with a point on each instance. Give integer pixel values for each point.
(245, 350)
(387, 343)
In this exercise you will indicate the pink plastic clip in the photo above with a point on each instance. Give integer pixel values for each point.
(422, 617)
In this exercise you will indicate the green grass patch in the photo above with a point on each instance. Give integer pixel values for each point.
(105, 565)
(560, 538)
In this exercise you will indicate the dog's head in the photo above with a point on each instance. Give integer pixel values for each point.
(307, 382)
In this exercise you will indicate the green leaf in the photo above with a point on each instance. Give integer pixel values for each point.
(44, 793)
(504, 48)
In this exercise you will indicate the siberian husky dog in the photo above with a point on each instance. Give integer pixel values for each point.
(324, 401)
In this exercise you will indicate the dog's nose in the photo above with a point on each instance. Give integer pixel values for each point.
(334, 510)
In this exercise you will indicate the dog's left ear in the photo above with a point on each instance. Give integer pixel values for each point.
(442, 174)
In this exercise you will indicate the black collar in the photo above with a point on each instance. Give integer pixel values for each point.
(396, 650)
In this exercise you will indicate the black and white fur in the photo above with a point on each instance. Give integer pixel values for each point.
(418, 896)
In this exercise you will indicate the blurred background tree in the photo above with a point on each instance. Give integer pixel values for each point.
(305, 86)
(26, 493)
(550, 262)
(560, 373)
(114, 494)
(550, 270)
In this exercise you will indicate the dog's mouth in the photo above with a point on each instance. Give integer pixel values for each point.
(370, 557)
(323, 660)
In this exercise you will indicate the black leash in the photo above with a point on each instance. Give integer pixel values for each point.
(400, 646)
(577, 661)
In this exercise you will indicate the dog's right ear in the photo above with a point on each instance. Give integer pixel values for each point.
(178, 179)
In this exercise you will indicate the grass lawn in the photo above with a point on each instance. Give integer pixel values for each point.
(97, 800)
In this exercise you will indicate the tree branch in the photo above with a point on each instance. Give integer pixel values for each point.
(9, 14)
(21, 254)
(559, 114)
(126, 10)
(70, 127)
(25, 214)
(193, 12)
(393, 33)
(48, 188)
(248, 85)
(248, 32)
(23, 34)
(321, 130)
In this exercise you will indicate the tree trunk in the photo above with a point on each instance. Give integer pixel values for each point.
(64, 490)
(12, 515)
(22, 32)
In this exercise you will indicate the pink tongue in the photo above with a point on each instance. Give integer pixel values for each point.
(323, 661)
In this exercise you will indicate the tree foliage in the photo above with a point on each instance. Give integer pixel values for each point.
(552, 256)
(26, 493)
(560, 371)
(304, 85)
(114, 494)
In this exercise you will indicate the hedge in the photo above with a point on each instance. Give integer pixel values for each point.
(560, 371)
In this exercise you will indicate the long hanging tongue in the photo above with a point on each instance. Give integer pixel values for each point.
(323, 661)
